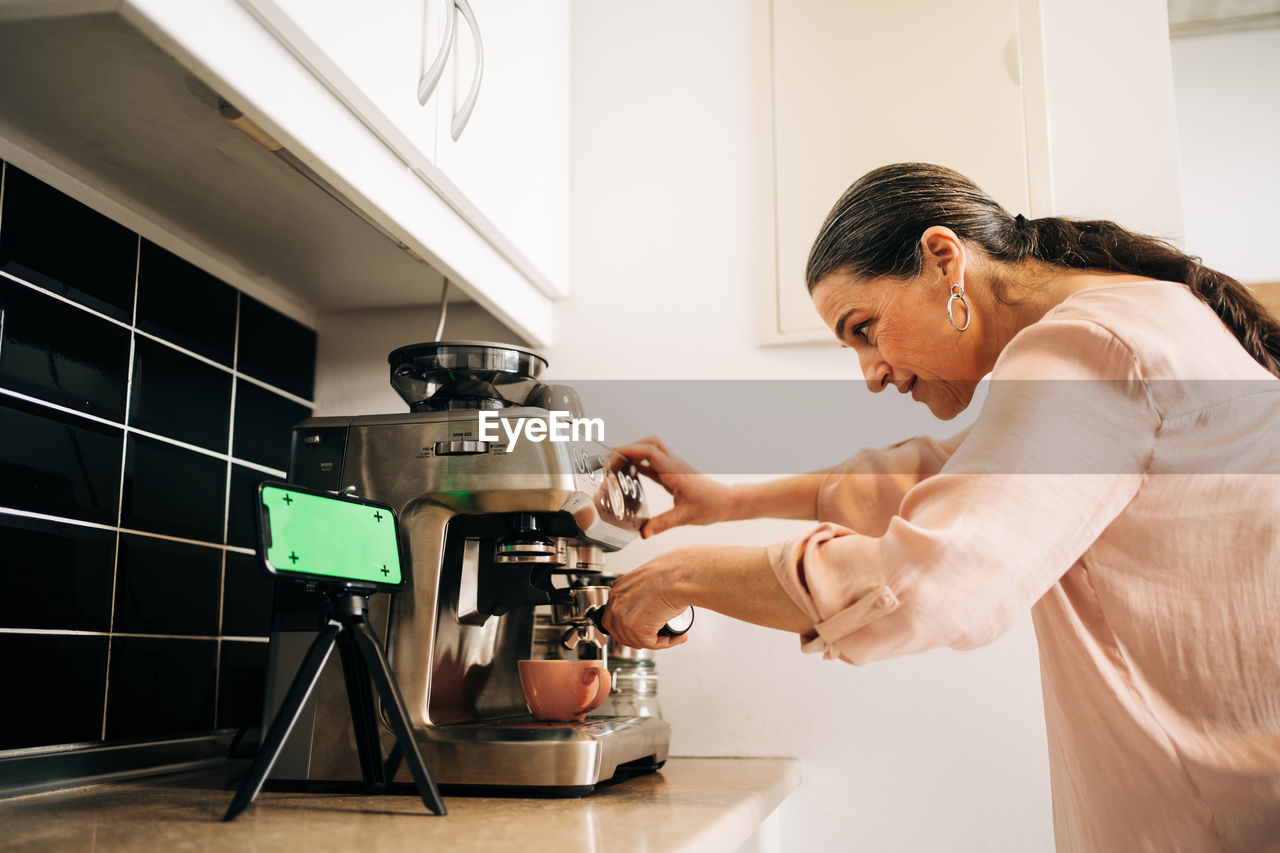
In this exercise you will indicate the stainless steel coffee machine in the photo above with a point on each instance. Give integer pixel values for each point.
(503, 522)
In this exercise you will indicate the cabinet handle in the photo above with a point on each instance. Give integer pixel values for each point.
(463, 115)
(429, 80)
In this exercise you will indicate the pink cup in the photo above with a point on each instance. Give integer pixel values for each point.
(564, 689)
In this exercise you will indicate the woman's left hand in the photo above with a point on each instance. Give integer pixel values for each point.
(643, 600)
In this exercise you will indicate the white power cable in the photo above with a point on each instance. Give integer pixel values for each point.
(444, 308)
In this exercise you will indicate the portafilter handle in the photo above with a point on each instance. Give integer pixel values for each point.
(675, 627)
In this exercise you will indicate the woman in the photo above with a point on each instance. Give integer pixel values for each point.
(1110, 486)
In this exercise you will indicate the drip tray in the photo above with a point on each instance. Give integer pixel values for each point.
(526, 753)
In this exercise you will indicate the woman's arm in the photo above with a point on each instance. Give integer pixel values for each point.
(701, 500)
(862, 493)
(736, 581)
(788, 497)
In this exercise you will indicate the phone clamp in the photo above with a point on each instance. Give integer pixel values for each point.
(364, 667)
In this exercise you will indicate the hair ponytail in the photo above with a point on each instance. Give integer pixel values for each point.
(1103, 245)
(874, 230)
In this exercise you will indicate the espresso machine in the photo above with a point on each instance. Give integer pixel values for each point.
(505, 537)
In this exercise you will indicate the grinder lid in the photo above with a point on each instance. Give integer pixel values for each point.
(442, 375)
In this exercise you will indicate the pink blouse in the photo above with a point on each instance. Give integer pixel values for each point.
(1119, 484)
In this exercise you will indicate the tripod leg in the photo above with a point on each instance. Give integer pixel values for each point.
(392, 765)
(364, 714)
(399, 717)
(303, 683)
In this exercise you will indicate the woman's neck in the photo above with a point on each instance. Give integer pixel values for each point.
(1021, 294)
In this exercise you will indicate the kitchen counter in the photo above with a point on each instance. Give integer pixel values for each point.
(693, 804)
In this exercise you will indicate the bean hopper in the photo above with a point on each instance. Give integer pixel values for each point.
(501, 546)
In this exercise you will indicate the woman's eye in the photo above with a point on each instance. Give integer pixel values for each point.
(861, 330)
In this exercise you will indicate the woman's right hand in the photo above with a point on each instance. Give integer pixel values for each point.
(698, 498)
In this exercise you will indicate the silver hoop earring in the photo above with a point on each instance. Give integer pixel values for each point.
(957, 293)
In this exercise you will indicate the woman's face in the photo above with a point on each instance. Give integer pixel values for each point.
(903, 338)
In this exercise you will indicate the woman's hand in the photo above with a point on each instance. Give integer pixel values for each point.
(698, 498)
(643, 600)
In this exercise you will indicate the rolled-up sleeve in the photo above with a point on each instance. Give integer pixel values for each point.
(1058, 451)
(865, 492)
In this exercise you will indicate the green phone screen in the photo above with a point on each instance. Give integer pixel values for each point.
(310, 534)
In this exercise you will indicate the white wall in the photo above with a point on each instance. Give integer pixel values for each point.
(943, 751)
(1228, 99)
(352, 375)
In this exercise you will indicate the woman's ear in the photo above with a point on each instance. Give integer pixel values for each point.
(944, 255)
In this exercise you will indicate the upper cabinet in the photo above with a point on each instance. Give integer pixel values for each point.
(472, 94)
(284, 143)
(512, 157)
(846, 87)
(371, 55)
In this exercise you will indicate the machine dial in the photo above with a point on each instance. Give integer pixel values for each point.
(617, 501)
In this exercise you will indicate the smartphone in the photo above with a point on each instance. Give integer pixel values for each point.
(313, 535)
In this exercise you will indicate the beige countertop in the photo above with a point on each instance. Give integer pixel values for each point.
(693, 804)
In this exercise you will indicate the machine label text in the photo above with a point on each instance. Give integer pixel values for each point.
(559, 426)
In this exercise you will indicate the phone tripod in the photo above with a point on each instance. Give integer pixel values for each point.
(362, 662)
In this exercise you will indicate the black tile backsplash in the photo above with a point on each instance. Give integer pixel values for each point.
(264, 425)
(241, 681)
(57, 575)
(172, 490)
(180, 397)
(52, 240)
(117, 423)
(161, 686)
(276, 349)
(185, 305)
(59, 464)
(54, 686)
(247, 593)
(62, 354)
(165, 587)
(242, 530)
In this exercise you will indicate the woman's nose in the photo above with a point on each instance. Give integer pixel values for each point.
(874, 369)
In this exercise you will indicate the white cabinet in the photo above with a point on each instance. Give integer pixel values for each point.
(507, 173)
(372, 54)
(512, 159)
(335, 201)
(846, 87)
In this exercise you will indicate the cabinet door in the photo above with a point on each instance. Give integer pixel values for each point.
(512, 159)
(846, 87)
(370, 54)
